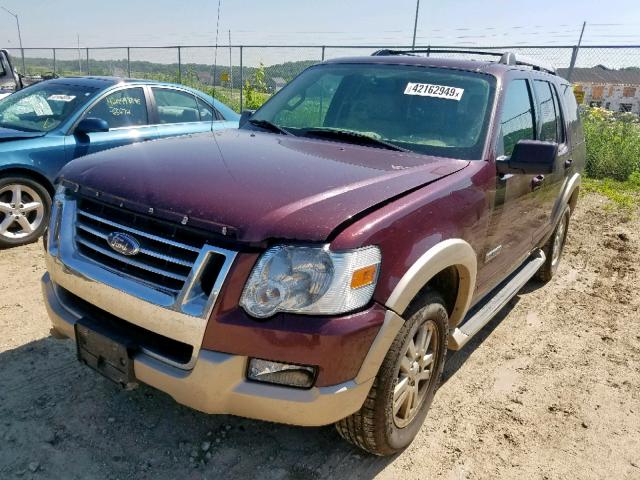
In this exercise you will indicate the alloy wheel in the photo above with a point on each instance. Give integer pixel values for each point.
(22, 211)
(415, 373)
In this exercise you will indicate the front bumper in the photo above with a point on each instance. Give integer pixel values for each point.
(217, 382)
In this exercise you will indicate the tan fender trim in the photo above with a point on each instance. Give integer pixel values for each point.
(380, 346)
(453, 252)
(568, 188)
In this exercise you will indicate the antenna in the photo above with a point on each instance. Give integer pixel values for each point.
(215, 61)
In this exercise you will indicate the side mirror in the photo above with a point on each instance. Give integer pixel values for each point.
(529, 156)
(92, 125)
(245, 116)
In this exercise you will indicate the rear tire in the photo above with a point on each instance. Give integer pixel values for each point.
(554, 247)
(25, 206)
(390, 419)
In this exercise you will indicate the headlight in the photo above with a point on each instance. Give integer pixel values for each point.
(311, 280)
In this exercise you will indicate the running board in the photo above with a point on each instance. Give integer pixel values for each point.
(497, 299)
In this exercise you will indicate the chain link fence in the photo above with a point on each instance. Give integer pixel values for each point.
(245, 76)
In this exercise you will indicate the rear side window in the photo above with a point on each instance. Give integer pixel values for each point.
(175, 106)
(516, 121)
(551, 128)
(571, 106)
(124, 108)
(207, 114)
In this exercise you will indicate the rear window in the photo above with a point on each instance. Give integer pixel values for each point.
(435, 111)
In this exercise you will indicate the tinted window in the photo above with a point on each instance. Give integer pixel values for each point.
(516, 120)
(570, 104)
(548, 112)
(43, 107)
(434, 111)
(175, 106)
(124, 108)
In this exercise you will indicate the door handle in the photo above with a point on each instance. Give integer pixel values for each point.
(568, 162)
(536, 182)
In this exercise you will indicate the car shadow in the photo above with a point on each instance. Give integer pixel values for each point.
(456, 359)
(64, 420)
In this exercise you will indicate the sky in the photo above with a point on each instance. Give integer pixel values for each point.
(47, 23)
(58, 23)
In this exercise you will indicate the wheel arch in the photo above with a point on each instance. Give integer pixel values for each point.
(450, 263)
(31, 174)
(568, 196)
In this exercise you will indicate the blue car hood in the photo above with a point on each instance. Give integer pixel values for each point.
(7, 134)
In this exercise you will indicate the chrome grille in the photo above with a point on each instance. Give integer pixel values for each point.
(165, 259)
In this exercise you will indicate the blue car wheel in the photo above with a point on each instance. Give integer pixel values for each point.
(24, 211)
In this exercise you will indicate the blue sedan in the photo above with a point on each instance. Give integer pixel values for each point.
(51, 123)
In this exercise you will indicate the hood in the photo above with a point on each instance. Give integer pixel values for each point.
(7, 134)
(255, 186)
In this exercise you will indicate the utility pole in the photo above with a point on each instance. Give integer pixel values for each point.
(14, 15)
(415, 25)
(574, 54)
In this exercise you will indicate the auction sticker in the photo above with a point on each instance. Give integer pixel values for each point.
(438, 91)
(61, 98)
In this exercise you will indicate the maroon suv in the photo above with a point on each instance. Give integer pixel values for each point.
(314, 266)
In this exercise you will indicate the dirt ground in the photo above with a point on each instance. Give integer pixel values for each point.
(550, 389)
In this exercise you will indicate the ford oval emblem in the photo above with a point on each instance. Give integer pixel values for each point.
(123, 243)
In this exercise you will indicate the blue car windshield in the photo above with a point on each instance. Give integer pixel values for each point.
(44, 106)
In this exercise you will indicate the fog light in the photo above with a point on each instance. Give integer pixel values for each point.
(299, 376)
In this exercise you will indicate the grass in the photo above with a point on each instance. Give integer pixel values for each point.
(613, 157)
(623, 195)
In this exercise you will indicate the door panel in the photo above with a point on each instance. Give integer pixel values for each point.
(510, 226)
(79, 145)
(551, 130)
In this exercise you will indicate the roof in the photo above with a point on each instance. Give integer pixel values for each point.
(602, 74)
(484, 66)
(96, 82)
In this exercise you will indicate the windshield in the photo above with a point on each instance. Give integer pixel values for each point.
(42, 107)
(434, 111)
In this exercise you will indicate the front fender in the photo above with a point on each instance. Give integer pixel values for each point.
(448, 253)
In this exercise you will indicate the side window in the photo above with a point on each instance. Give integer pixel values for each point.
(124, 108)
(175, 106)
(549, 115)
(207, 114)
(517, 116)
(570, 103)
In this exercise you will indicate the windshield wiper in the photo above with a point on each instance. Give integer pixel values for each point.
(354, 137)
(266, 124)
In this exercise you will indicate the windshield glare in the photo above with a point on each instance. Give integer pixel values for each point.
(42, 107)
(434, 111)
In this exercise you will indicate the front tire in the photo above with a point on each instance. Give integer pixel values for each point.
(403, 390)
(24, 211)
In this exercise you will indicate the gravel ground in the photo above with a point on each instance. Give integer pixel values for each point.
(549, 389)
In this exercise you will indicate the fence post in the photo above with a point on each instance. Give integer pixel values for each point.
(572, 64)
(54, 61)
(179, 65)
(24, 68)
(241, 78)
(129, 62)
(323, 48)
(88, 70)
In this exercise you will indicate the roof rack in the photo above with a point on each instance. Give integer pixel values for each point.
(506, 58)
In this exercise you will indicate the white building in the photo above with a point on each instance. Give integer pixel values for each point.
(616, 90)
